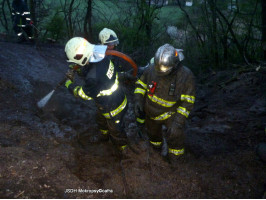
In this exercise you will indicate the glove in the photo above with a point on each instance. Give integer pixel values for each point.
(75, 68)
(138, 108)
(68, 83)
(70, 74)
(31, 22)
(127, 76)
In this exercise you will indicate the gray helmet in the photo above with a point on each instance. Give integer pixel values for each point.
(166, 59)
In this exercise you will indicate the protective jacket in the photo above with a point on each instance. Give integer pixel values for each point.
(21, 18)
(167, 101)
(102, 86)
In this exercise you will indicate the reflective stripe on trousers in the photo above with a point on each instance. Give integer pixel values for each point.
(115, 112)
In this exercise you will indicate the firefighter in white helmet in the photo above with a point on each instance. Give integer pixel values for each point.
(102, 84)
(108, 37)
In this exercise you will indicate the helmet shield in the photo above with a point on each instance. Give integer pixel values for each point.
(98, 53)
(166, 59)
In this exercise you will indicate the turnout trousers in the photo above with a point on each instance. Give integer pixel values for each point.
(175, 136)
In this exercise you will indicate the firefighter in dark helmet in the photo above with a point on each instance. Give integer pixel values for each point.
(21, 20)
(102, 84)
(164, 96)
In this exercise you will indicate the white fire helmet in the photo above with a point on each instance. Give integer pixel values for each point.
(79, 50)
(108, 37)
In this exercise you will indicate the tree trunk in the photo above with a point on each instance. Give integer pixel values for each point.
(87, 21)
(70, 19)
(263, 39)
(230, 29)
(4, 22)
(190, 22)
(214, 32)
(32, 8)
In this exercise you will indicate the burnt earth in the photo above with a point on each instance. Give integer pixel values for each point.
(51, 153)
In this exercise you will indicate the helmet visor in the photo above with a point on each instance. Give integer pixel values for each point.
(115, 43)
(164, 68)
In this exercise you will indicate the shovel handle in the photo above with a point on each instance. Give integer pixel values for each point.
(61, 83)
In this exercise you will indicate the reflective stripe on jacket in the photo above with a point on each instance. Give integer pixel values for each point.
(102, 86)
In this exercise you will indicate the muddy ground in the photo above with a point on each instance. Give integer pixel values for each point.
(50, 153)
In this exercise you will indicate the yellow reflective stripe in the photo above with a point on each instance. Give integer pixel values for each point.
(142, 84)
(120, 108)
(107, 115)
(161, 102)
(140, 91)
(177, 151)
(123, 147)
(110, 70)
(104, 132)
(75, 91)
(183, 111)
(163, 116)
(67, 83)
(140, 120)
(83, 95)
(156, 143)
(111, 90)
(116, 111)
(190, 99)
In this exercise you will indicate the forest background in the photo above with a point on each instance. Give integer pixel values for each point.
(215, 34)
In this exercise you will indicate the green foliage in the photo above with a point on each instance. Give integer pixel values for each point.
(55, 27)
(209, 42)
(141, 28)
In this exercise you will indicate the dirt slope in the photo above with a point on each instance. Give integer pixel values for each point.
(49, 153)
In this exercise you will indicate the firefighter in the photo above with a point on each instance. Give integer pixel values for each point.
(102, 80)
(108, 37)
(164, 97)
(21, 20)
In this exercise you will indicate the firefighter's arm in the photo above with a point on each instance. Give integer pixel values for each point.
(78, 91)
(139, 97)
(13, 12)
(76, 68)
(187, 100)
(26, 13)
(126, 76)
